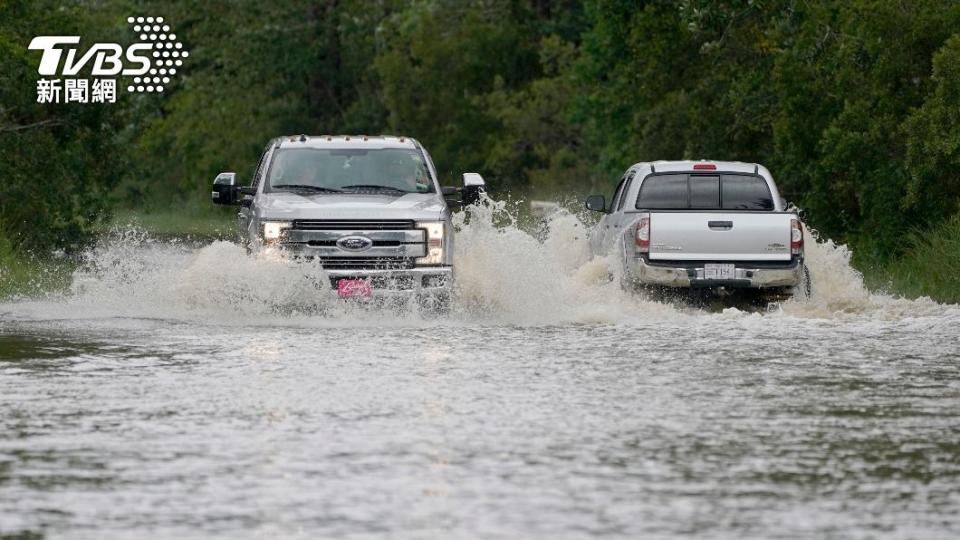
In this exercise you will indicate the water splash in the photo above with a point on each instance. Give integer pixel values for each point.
(507, 273)
(838, 288)
(131, 274)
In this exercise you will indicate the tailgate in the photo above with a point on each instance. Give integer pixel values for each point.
(720, 236)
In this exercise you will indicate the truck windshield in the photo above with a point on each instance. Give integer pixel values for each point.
(704, 191)
(387, 170)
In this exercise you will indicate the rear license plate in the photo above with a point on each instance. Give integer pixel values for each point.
(719, 271)
(354, 288)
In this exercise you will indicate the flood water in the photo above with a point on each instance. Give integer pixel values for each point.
(191, 391)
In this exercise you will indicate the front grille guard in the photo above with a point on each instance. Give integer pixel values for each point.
(395, 243)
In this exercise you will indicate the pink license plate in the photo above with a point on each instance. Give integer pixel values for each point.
(354, 288)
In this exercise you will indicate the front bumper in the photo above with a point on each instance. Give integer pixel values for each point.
(690, 274)
(421, 281)
(388, 282)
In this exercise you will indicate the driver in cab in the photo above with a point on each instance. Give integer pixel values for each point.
(402, 173)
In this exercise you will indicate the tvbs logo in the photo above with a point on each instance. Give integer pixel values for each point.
(150, 62)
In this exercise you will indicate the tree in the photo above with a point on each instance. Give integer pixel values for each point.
(58, 162)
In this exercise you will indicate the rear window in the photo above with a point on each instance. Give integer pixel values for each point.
(745, 193)
(704, 191)
(664, 191)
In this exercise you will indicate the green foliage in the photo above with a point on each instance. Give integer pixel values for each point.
(257, 70)
(933, 139)
(29, 275)
(540, 144)
(853, 105)
(931, 265)
(819, 91)
(189, 222)
(867, 67)
(440, 61)
(58, 162)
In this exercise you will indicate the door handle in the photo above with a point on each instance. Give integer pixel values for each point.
(720, 224)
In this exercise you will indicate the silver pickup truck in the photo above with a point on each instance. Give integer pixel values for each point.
(369, 210)
(697, 224)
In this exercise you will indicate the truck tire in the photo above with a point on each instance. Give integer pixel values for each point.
(803, 289)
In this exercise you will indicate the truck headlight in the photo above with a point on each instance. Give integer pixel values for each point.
(271, 230)
(435, 231)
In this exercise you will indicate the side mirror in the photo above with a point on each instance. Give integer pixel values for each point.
(224, 188)
(597, 203)
(473, 186)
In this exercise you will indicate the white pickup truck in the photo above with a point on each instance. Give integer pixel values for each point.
(369, 210)
(717, 225)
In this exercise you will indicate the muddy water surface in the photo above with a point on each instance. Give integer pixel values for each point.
(190, 391)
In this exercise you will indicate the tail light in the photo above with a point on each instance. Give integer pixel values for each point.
(642, 238)
(796, 237)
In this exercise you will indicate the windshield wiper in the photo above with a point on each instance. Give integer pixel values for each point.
(307, 186)
(375, 186)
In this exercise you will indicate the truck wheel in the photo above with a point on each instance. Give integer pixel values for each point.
(803, 289)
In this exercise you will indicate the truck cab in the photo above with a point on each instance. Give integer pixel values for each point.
(718, 225)
(369, 209)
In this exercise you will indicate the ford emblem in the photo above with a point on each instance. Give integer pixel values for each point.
(354, 243)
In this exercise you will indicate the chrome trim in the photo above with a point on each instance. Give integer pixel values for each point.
(354, 243)
(354, 224)
(413, 236)
(400, 251)
(641, 273)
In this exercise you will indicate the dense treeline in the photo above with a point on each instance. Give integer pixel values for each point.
(854, 105)
(57, 162)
